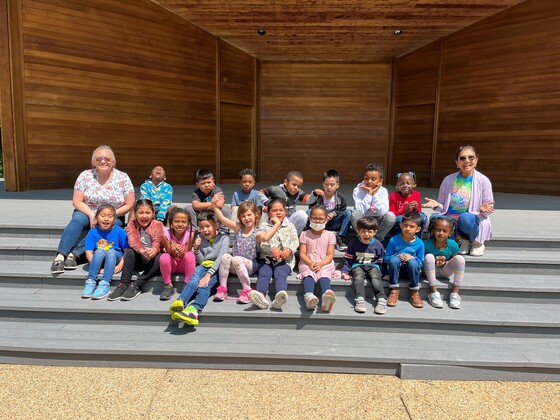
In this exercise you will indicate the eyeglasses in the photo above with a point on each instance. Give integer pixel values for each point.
(412, 174)
(464, 158)
(103, 159)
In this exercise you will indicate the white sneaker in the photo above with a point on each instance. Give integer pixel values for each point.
(455, 301)
(279, 300)
(477, 249)
(360, 306)
(327, 301)
(311, 301)
(435, 300)
(381, 307)
(258, 299)
(464, 247)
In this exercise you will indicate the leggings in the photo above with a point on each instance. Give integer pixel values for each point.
(169, 265)
(455, 266)
(277, 269)
(240, 266)
(309, 284)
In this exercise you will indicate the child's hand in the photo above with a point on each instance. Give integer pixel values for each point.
(487, 208)
(405, 257)
(430, 204)
(119, 266)
(319, 192)
(285, 254)
(275, 220)
(151, 253)
(316, 267)
(197, 243)
(412, 206)
(276, 254)
(367, 189)
(440, 261)
(330, 216)
(204, 281)
(346, 276)
(217, 199)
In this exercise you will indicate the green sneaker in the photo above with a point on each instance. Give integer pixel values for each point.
(176, 306)
(188, 316)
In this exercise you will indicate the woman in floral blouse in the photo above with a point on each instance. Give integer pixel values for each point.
(103, 184)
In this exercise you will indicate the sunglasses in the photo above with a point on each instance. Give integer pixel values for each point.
(464, 158)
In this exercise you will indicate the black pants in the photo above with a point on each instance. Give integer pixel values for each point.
(135, 261)
(362, 273)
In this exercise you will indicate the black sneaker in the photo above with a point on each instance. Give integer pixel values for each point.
(340, 245)
(70, 262)
(167, 292)
(118, 292)
(131, 292)
(57, 267)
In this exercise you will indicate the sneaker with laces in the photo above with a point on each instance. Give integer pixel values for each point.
(70, 263)
(89, 289)
(455, 301)
(435, 300)
(118, 292)
(381, 306)
(167, 292)
(279, 300)
(360, 305)
(189, 316)
(102, 290)
(327, 301)
(131, 292)
(340, 245)
(415, 299)
(221, 294)
(57, 267)
(244, 297)
(176, 306)
(393, 297)
(258, 299)
(311, 301)
(477, 249)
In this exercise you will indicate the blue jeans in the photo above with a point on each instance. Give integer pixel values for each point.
(111, 258)
(340, 223)
(412, 267)
(468, 225)
(202, 293)
(71, 239)
(397, 228)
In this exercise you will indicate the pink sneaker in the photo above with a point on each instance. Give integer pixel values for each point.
(244, 296)
(221, 294)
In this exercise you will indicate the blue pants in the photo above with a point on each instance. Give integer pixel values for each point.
(111, 258)
(309, 284)
(277, 269)
(340, 223)
(468, 225)
(412, 267)
(397, 228)
(70, 239)
(202, 293)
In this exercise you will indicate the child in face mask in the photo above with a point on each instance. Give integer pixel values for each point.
(316, 254)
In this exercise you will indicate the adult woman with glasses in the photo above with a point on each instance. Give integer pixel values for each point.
(103, 184)
(467, 197)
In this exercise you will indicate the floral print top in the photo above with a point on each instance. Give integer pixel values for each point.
(95, 194)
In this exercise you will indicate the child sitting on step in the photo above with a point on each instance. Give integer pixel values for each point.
(276, 258)
(105, 244)
(209, 247)
(405, 199)
(159, 192)
(247, 235)
(443, 259)
(316, 252)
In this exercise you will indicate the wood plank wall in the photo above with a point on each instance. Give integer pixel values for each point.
(125, 73)
(238, 72)
(500, 91)
(315, 117)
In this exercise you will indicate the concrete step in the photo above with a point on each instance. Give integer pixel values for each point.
(477, 286)
(475, 318)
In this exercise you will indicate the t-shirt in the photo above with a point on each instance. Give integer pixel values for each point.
(460, 196)
(95, 194)
(253, 195)
(451, 249)
(116, 239)
(198, 195)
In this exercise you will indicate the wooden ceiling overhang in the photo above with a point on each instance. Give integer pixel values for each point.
(330, 30)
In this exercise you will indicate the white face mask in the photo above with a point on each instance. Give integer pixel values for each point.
(317, 226)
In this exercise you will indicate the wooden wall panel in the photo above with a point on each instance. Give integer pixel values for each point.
(500, 91)
(236, 134)
(315, 117)
(414, 130)
(128, 74)
(237, 75)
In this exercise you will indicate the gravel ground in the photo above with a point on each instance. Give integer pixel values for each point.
(74, 392)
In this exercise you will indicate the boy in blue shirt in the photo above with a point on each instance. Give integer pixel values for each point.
(406, 250)
(247, 192)
(361, 263)
(158, 191)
